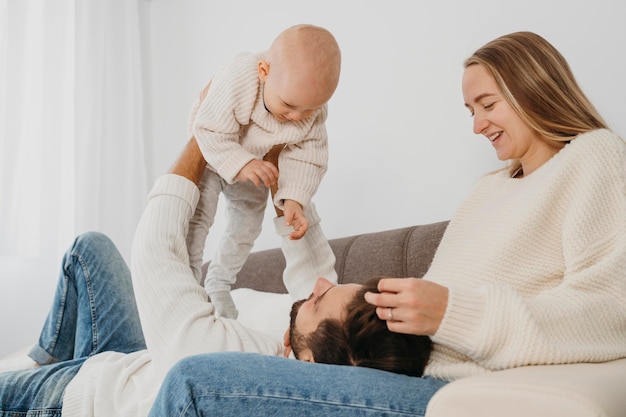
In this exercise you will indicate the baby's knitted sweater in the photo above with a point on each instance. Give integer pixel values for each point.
(176, 317)
(233, 127)
(536, 266)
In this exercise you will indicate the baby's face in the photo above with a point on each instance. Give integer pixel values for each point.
(286, 109)
(292, 95)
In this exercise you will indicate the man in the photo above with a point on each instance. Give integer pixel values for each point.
(92, 355)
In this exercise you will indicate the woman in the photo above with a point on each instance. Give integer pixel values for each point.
(531, 269)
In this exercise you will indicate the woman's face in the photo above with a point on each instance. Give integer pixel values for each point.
(495, 119)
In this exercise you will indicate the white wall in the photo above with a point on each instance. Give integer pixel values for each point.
(401, 147)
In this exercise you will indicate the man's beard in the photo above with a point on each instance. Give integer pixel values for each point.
(296, 339)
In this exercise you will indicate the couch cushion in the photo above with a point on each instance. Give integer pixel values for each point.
(405, 252)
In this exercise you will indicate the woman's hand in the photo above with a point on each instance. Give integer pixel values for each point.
(410, 305)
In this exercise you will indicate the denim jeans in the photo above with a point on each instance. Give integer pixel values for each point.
(93, 311)
(251, 385)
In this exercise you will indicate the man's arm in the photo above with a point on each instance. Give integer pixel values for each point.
(176, 318)
(190, 164)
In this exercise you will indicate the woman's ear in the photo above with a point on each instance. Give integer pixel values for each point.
(264, 70)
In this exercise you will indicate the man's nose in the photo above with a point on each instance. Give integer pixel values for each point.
(321, 286)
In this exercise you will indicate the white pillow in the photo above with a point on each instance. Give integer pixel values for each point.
(262, 311)
(17, 360)
(265, 312)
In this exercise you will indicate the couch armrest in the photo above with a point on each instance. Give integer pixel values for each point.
(576, 390)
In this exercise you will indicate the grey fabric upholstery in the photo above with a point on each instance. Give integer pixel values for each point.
(405, 252)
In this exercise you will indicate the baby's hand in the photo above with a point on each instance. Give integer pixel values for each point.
(259, 172)
(294, 217)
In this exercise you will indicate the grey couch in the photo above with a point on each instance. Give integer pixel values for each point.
(405, 252)
(577, 390)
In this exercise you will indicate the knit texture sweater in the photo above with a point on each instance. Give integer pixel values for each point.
(536, 266)
(233, 127)
(176, 317)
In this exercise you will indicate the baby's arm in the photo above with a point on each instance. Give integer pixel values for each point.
(293, 212)
(302, 167)
(225, 106)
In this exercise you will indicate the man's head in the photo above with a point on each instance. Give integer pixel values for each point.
(301, 72)
(336, 325)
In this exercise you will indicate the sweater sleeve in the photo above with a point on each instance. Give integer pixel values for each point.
(303, 165)
(225, 111)
(176, 317)
(581, 318)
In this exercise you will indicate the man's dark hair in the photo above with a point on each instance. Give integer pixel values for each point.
(362, 339)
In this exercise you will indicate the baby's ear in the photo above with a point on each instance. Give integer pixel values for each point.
(264, 70)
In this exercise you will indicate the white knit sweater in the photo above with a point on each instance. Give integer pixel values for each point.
(176, 317)
(233, 127)
(536, 266)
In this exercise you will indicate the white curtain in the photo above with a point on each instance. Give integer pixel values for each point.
(110, 168)
(71, 142)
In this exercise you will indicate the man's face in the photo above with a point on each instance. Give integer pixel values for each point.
(328, 301)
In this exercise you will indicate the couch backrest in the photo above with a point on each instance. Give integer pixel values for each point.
(405, 252)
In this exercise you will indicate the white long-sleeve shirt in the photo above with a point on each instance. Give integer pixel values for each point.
(536, 266)
(176, 317)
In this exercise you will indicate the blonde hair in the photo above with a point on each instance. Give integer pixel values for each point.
(538, 83)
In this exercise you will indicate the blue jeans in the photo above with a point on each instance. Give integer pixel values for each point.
(93, 311)
(244, 384)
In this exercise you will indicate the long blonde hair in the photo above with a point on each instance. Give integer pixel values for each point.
(538, 83)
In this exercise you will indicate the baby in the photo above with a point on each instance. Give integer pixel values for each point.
(272, 99)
